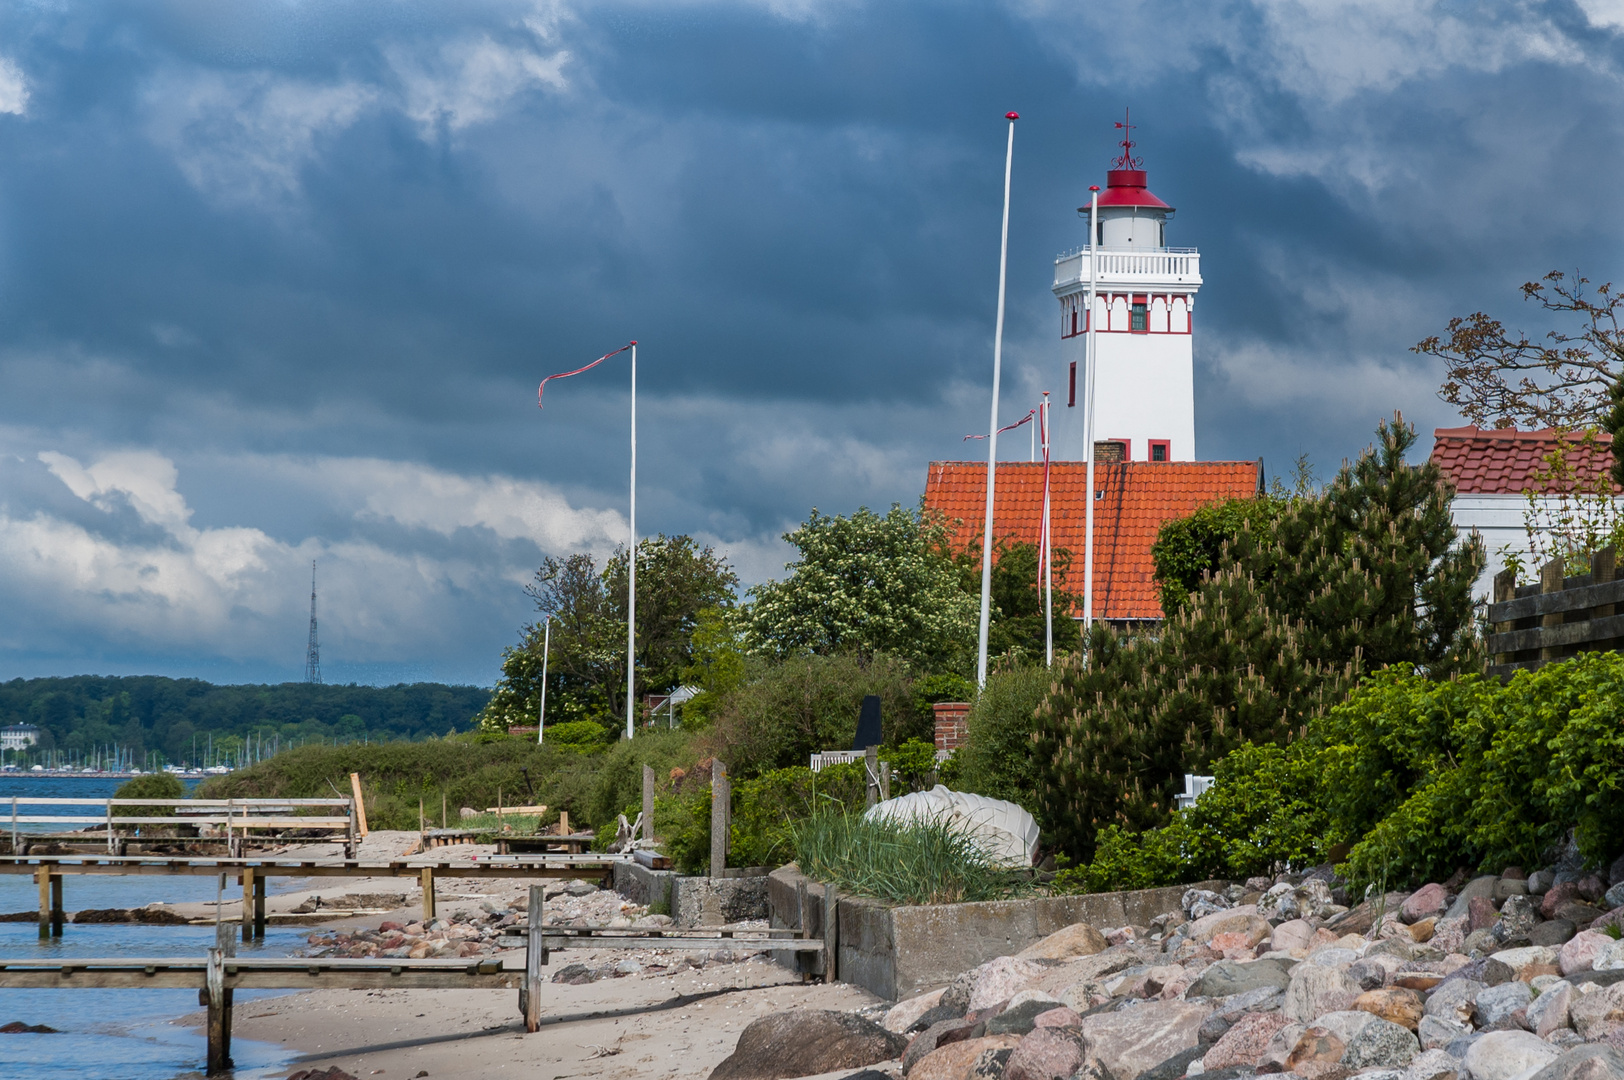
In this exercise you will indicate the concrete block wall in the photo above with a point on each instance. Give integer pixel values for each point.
(694, 901)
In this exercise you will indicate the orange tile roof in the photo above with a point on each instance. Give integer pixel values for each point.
(1134, 499)
(1509, 462)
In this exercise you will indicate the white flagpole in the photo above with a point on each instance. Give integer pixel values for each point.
(1048, 542)
(546, 647)
(631, 567)
(992, 426)
(1088, 412)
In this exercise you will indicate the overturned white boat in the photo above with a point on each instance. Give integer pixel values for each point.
(1007, 833)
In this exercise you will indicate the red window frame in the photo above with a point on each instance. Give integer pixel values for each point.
(1071, 394)
(1142, 301)
(1165, 446)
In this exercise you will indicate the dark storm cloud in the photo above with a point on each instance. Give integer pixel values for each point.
(310, 261)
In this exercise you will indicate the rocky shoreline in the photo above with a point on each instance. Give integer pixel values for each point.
(1501, 977)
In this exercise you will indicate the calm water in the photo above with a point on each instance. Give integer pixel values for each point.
(117, 1034)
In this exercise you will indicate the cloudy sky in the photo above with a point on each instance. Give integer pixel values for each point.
(278, 279)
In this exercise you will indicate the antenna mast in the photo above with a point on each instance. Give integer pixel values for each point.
(313, 651)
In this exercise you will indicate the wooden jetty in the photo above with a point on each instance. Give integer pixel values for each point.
(235, 822)
(49, 871)
(217, 976)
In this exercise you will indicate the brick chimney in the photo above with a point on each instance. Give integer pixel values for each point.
(951, 718)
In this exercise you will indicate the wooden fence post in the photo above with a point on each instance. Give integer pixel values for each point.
(535, 955)
(1604, 568)
(831, 934)
(885, 781)
(871, 775)
(720, 796)
(1550, 581)
(428, 895)
(43, 877)
(1505, 590)
(219, 1002)
(360, 805)
(247, 879)
(648, 803)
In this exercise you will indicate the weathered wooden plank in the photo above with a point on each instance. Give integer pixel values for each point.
(1555, 637)
(776, 944)
(1580, 599)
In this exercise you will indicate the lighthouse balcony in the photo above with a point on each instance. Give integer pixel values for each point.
(1139, 266)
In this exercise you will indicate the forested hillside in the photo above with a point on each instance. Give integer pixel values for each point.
(151, 713)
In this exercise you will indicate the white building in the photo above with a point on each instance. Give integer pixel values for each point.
(1143, 326)
(18, 737)
(1493, 472)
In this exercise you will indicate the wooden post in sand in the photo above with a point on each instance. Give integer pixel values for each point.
(218, 999)
(535, 955)
(428, 895)
(648, 803)
(248, 903)
(719, 801)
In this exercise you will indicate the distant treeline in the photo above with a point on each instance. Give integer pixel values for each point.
(178, 718)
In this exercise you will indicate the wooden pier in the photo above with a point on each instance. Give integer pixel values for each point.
(218, 976)
(49, 870)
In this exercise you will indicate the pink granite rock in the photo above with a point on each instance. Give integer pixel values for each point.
(1480, 913)
(1580, 952)
(1558, 895)
(1244, 1042)
(1045, 1054)
(1425, 902)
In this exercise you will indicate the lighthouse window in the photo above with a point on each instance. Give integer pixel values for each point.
(1158, 449)
(1138, 320)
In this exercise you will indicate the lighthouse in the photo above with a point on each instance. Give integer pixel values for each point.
(1143, 321)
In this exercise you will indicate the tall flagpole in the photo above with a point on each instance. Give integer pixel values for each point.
(1088, 412)
(1048, 542)
(546, 647)
(631, 567)
(992, 426)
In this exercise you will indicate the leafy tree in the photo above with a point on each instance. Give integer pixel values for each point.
(586, 667)
(1365, 575)
(804, 704)
(719, 663)
(1501, 378)
(1187, 549)
(996, 759)
(868, 584)
(1017, 626)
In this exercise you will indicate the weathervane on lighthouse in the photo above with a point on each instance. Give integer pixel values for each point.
(1134, 297)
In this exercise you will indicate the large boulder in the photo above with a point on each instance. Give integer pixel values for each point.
(1433, 1065)
(1381, 1043)
(1046, 1054)
(1021, 1014)
(1244, 1042)
(955, 1060)
(1436, 1033)
(1393, 1004)
(1501, 1055)
(1243, 918)
(1585, 1063)
(1129, 1042)
(1477, 887)
(1550, 1011)
(1580, 953)
(807, 1041)
(1519, 959)
(1078, 939)
(1292, 935)
(1001, 979)
(1500, 1003)
(1315, 990)
(902, 1015)
(1427, 901)
(1455, 999)
(1228, 977)
(1599, 1013)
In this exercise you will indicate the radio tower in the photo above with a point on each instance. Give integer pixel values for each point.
(313, 651)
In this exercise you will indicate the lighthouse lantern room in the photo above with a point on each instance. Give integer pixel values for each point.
(1144, 299)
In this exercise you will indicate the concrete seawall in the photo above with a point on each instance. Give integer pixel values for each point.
(898, 951)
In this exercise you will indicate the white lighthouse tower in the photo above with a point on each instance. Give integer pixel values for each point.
(1144, 298)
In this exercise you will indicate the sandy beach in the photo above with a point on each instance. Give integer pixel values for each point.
(673, 1023)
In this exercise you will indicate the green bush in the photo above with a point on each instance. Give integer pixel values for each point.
(996, 759)
(575, 733)
(151, 786)
(806, 704)
(930, 862)
(1265, 811)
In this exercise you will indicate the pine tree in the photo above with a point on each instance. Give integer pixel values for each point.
(1368, 574)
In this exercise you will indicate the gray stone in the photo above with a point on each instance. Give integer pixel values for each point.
(1316, 990)
(991, 1063)
(1228, 977)
(1199, 902)
(1540, 882)
(1481, 943)
(1483, 887)
(1135, 1039)
(1585, 1063)
(1517, 917)
(1549, 1012)
(1345, 1023)
(1019, 1019)
(1454, 1000)
(1501, 1055)
(1505, 888)
(1214, 1028)
(1175, 1066)
(1614, 897)
(1436, 1033)
(1555, 933)
(1433, 1065)
(1333, 956)
(1369, 973)
(1263, 999)
(1498, 1002)
(807, 1041)
(930, 1038)
(1381, 1043)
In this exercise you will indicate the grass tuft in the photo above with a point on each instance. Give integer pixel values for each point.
(925, 862)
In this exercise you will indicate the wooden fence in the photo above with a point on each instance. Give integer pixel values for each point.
(1562, 616)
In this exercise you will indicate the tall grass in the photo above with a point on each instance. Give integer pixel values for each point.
(925, 862)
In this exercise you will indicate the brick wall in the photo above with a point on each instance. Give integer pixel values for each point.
(950, 723)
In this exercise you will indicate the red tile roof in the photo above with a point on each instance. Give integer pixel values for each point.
(1510, 462)
(1135, 498)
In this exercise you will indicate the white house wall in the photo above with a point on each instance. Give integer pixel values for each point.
(1498, 519)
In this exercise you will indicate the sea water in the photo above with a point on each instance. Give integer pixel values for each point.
(119, 1034)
